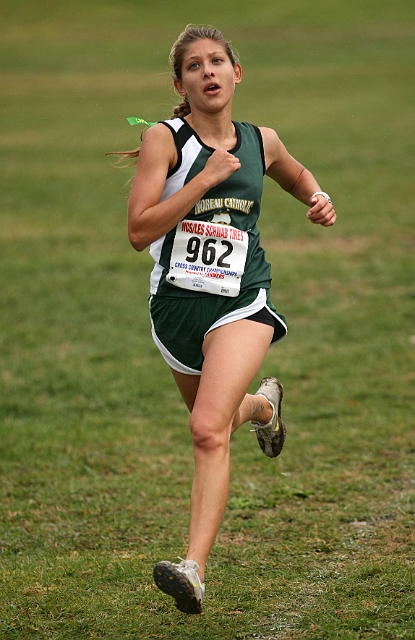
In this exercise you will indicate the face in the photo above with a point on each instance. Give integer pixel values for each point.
(208, 76)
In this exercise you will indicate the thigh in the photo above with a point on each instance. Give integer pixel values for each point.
(233, 354)
(188, 386)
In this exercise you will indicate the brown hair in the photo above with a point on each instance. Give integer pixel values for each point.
(191, 34)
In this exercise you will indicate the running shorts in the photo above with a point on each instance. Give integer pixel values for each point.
(179, 325)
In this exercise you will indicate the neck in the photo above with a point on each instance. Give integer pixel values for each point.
(215, 129)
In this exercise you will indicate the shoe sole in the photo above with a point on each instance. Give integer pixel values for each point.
(175, 584)
(270, 441)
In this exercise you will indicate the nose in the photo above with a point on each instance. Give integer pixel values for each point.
(208, 72)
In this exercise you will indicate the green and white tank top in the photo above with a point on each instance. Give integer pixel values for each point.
(218, 241)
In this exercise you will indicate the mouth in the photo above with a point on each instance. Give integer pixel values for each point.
(211, 89)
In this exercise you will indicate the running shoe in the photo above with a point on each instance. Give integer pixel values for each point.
(182, 582)
(271, 436)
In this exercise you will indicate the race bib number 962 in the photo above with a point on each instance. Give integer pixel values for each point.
(208, 257)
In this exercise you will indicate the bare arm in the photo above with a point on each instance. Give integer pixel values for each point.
(294, 178)
(148, 218)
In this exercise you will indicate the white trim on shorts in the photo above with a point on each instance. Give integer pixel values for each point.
(239, 314)
(169, 358)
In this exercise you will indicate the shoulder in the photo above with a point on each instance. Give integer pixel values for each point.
(158, 142)
(158, 132)
(274, 149)
(269, 136)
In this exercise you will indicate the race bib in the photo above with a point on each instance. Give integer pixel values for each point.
(208, 257)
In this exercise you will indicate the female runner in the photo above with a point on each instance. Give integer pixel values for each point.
(195, 200)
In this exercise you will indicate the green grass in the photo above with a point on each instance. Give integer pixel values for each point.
(95, 455)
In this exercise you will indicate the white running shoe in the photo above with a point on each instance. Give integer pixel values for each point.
(182, 582)
(271, 436)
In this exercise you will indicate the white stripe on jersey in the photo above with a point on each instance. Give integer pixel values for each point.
(174, 183)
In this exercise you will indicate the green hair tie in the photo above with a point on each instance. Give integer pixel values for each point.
(134, 121)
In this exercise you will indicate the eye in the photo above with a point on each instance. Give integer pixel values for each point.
(193, 65)
(217, 60)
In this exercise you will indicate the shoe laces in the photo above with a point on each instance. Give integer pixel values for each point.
(185, 566)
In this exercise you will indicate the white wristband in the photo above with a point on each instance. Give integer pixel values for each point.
(322, 193)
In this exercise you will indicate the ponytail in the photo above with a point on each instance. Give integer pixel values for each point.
(125, 155)
(182, 110)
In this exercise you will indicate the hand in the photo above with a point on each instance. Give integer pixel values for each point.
(321, 211)
(220, 166)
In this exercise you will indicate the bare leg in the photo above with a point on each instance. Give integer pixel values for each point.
(219, 405)
(252, 407)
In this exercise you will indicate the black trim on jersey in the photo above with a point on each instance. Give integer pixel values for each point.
(238, 137)
(180, 138)
(261, 146)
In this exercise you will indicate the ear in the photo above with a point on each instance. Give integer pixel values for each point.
(238, 73)
(179, 88)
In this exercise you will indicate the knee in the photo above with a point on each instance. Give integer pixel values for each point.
(207, 434)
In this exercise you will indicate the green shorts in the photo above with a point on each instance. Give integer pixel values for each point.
(179, 325)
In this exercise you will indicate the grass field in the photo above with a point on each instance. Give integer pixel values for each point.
(96, 459)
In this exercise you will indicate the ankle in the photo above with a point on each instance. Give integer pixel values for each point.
(201, 570)
(262, 410)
